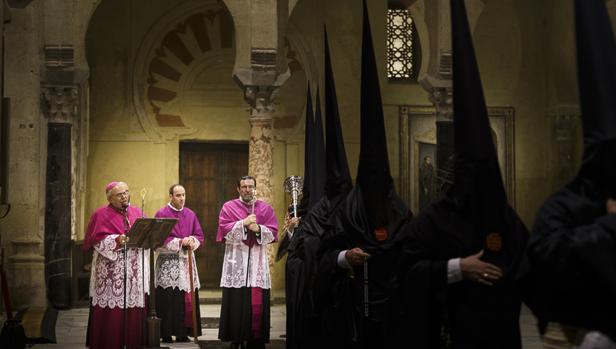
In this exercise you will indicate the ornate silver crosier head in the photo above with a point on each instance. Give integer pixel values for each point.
(293, 185)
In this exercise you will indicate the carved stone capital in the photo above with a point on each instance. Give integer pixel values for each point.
(442, 99)
(440, 95)
(60, 103)
(261, 100)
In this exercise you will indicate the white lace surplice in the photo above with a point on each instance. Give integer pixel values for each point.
(235, 273)
(107, 275)
(172, 266)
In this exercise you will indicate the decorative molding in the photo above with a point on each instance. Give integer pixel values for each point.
(60, 103)
(180, 40)
(27, 268)
(59, 56)
(445, 68)
(19, 3)
(566, 135)
(26, 251)
(263, 58)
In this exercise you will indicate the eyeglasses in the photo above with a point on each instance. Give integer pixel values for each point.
(124, 193)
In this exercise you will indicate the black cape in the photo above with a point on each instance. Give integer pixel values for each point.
(466, 314)
(339, 294)
(572, 252)
(303, 325)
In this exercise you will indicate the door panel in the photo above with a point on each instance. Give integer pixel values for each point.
(209, 172)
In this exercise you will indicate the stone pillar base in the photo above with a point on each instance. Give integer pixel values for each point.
(29, 288)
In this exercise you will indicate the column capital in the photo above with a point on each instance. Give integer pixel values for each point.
(261, 98)
(60, 103)
(440, 94)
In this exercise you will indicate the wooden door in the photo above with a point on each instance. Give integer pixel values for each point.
(209, 172)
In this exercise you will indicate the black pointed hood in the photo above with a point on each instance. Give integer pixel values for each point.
(373, 174)
(308, 135)
(317, 162)
(478, 183)
(487, 221)
(596, 57)
(314, 156)
(339, 179)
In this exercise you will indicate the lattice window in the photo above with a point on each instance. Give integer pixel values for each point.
(400, 44)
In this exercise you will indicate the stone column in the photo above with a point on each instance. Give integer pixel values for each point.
(260, 158)
(60, 107)
(260, 69)
(261, 147)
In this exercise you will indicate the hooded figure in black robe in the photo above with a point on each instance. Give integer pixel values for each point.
(303, 323)
(463, 253)
(356, 289)
(314, 168)
(572, 251)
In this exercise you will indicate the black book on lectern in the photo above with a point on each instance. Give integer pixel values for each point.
(149, 232)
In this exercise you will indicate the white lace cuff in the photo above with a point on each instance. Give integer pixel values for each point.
(174, 245)
(266, 236)
(196, 242)
(237, 233)
(107, 247)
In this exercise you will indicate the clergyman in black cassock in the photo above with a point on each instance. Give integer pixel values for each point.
(572, 251)
(462, 255)
(356, 288)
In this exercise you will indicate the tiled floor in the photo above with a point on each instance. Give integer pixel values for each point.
(71, 327)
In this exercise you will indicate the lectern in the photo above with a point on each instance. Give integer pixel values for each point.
(151, 233)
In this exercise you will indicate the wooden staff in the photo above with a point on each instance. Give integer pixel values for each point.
(192, 292)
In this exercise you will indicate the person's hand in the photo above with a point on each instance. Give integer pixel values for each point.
(121, 240)
(251, 219)
(476, 270)
(356, 256)
(610, 206)
(293, 222)
(254, 227)
(188, 242)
